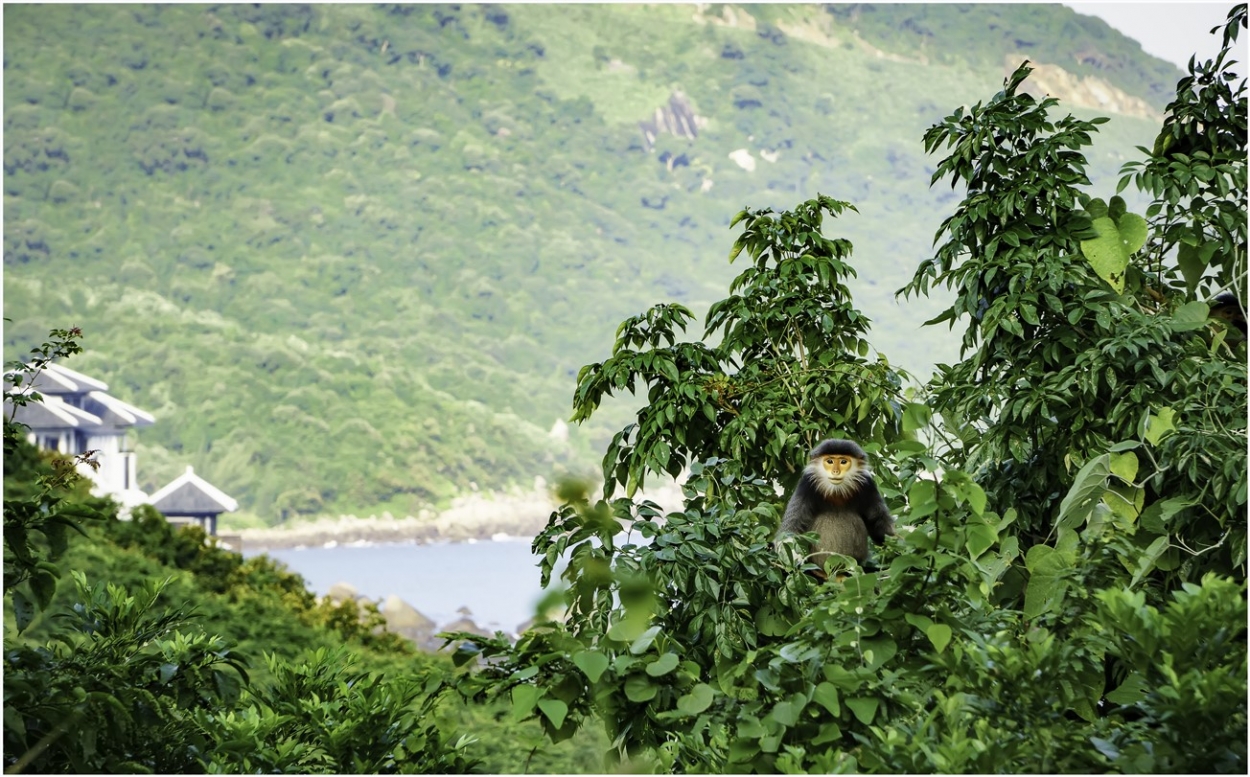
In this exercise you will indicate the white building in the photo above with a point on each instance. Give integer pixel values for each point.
(76, 414)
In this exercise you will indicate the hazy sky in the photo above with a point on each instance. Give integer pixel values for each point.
(1171, 31)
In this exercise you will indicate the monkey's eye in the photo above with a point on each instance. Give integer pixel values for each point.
(844, 462)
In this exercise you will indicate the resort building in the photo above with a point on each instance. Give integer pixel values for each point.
(76, 414)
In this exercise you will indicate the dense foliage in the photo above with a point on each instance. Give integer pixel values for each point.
(1067, 591)
(162, 652)
(397, 228)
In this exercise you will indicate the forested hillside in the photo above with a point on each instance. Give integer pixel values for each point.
(352, 256)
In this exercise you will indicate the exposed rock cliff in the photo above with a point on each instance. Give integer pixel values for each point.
(676, 118)
(1083, 91)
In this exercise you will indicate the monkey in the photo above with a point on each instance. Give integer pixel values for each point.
(1225, 305)
(837, 498)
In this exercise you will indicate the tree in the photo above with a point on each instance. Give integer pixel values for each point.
(1067, 590)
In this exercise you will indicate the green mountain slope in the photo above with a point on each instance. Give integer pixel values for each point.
(353, 256)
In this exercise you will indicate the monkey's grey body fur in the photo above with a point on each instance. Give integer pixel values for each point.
(843, 517)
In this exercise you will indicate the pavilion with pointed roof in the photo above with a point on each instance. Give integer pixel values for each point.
(191, 499)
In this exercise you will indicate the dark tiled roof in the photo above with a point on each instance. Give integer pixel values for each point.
(190, 494)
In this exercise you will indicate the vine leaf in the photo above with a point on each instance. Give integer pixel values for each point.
(1120, 235)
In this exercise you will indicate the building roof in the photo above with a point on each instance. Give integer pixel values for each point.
(52, 413)
(55, 379)
(189, 494)
(115, 412)
(97, 409)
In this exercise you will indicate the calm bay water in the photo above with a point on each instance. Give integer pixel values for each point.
(497, 580)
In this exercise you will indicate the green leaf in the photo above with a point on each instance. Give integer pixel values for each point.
(916, 416)
(1047, 585)
(1154, 518)
(640, 688)
(1191, 316)
(167, 672)
(786, 713)
(23, 610)
(554, 710)
(663, 665)
(592, 663)
(975, 496)
(644, 640)
(826, 695)
(1160, 425)
(865, 709)
(1124, 466)
(940, 635)
(698, 700)
(1090, 482)
(1131, 691)
(1107, 253)
(979, 538)
(1147, 561)
(1189, 260)
(523, 699)
(43, 585)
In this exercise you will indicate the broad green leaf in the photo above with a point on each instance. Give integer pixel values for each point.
(1107, 253)
(940, 635)
(523, 699)
(627, 630)
(830, 732)
(644, 640)
(865, 709)
(698, 700)
(1047, 585)
(979, 538)
(1133, 231)
(975, 496)
(43, 585)
(786, 713)
(1160, 425)
(919, 621)
(1131, 691)
(1154, 518)
(1191, 316)
(640, 688)
(554, 710)
(1124, 466)
(592, 663)
(1192, 265)
(1087, 489)
(662, 665)
(826, 695)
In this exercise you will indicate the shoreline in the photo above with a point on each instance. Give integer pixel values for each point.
(472, 518)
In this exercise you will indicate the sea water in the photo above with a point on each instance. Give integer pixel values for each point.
(497, 580)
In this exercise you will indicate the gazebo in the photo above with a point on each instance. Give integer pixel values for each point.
(191, 499)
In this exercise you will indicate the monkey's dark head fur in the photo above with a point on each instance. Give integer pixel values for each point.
(838, 448)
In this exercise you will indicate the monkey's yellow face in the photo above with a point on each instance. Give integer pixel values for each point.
(838, 467)
(837, 475)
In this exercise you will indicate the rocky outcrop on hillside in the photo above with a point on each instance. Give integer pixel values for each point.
(1083, 91)
(677, 118)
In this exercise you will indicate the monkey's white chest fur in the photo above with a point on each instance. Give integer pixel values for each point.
(841, 530)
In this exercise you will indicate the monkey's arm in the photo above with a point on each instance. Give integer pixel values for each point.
(876, 515)
(800, 511)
